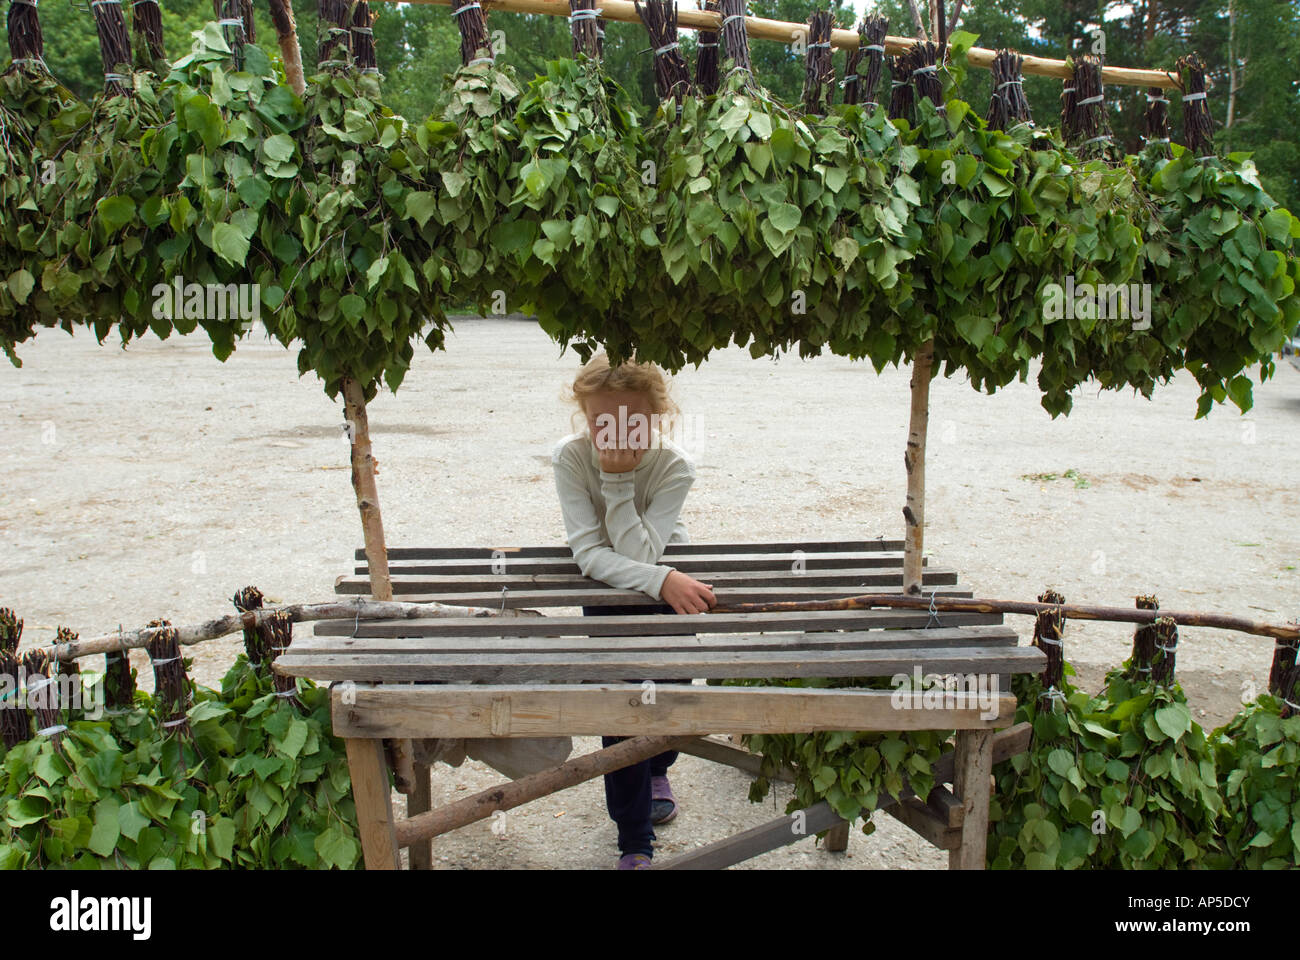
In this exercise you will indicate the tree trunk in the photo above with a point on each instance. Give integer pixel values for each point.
(914, 460)
(286, 33)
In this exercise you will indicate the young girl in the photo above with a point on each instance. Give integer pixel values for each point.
(622, 503)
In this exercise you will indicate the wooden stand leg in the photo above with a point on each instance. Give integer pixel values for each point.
(420, 800)
(837, 839)
(374, 803)
(973, 764)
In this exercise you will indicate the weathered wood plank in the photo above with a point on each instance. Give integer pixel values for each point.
(374, 804)
(521, 599)
(641, 625)
(619, 710)
(994, 635)
(694, 565)
(628, 665)
(434, 586)
(562, 550)
(921, 820)
(973, 765)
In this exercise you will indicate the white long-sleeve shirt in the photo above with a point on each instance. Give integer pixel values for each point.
(619, 523)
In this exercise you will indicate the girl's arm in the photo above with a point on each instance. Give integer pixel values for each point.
(597, 559)
(643, 537)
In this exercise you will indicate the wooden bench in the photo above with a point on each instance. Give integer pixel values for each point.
(422, 679)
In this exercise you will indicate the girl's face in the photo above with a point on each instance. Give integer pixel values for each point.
(613, 413)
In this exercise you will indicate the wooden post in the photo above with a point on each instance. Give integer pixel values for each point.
(973, 765)
(286, 34)
(374, 804)
(363, 482)
(914, 461)
(420, 801)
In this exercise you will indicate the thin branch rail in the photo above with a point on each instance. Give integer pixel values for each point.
(360, 609)
(1070, 610)
(624, 11)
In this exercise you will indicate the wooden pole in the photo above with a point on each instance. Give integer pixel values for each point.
(914, 461)
(286, 34)
(1185, 618)
(363, 482)
(624, 11)
(358, 608)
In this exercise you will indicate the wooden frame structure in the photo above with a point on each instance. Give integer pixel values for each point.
(443, 678)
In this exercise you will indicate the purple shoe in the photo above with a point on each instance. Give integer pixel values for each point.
(663, 805)
(634, 861)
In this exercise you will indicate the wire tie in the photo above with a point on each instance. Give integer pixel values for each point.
(157, 663)
(469, 6)
(174, 723)
(286, 693)
(1052, 640)
(230, 22)
(874, 46)
(116, 76)
(479, 60)
(1010, 83)
(57, 728)
(1157, 98)
(1067, 89)
(1156, 139)
(591, 14)
(665, 48)
(503, 601)
(1193, 96)
(732, 16)
(356, 624)
(821, 43)
(369, 30)
(39, 684)
(1104, 136)
(928, 69)
(1087, 100)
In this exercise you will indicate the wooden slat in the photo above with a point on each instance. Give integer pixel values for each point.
(433, 585)
(627, 666)
(993, 635)
(640, 625)
(698, 564)
(618, 710)
(525, 599)
(672, 549)
(374, 803)
(919, 818)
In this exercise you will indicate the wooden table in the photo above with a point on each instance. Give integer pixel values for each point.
(533, 677)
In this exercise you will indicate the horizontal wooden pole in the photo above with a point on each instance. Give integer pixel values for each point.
(623, 11)
(618, 710)
(1071, 611)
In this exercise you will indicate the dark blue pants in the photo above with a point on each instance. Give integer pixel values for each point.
(627, 791)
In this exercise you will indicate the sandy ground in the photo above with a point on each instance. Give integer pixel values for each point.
(155, 482)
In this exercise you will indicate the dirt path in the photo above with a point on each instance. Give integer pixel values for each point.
(156, 482)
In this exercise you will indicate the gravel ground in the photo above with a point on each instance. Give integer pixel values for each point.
(155, 482)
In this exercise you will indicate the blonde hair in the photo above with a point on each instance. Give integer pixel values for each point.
(597, 376)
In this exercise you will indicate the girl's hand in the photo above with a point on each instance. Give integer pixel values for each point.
(619, 461)
(686, 594)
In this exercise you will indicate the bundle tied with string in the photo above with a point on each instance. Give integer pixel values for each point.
(1008, 105)
(1144, 643)
(1049, 635)
(11, 630)
(250, 598)
(230, 17)
(735, 41)
(1166, 647)
(279, 637)
(1284, 677)
(1198, 126)
(363, 38)
(1092, 129)
(69, 667)
(475, 47)
(15, 724)
(1068, 97)
(119, 681)
(588, 32)
(819, 68)
(114, 46)
(146, 25)
(925, 72)
(706, 56)
(860, 83)
(1155, 123)
(170, 689)
(672, 76)
(334, 45)
(43, 695)
(900, 87)
(26, 45)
